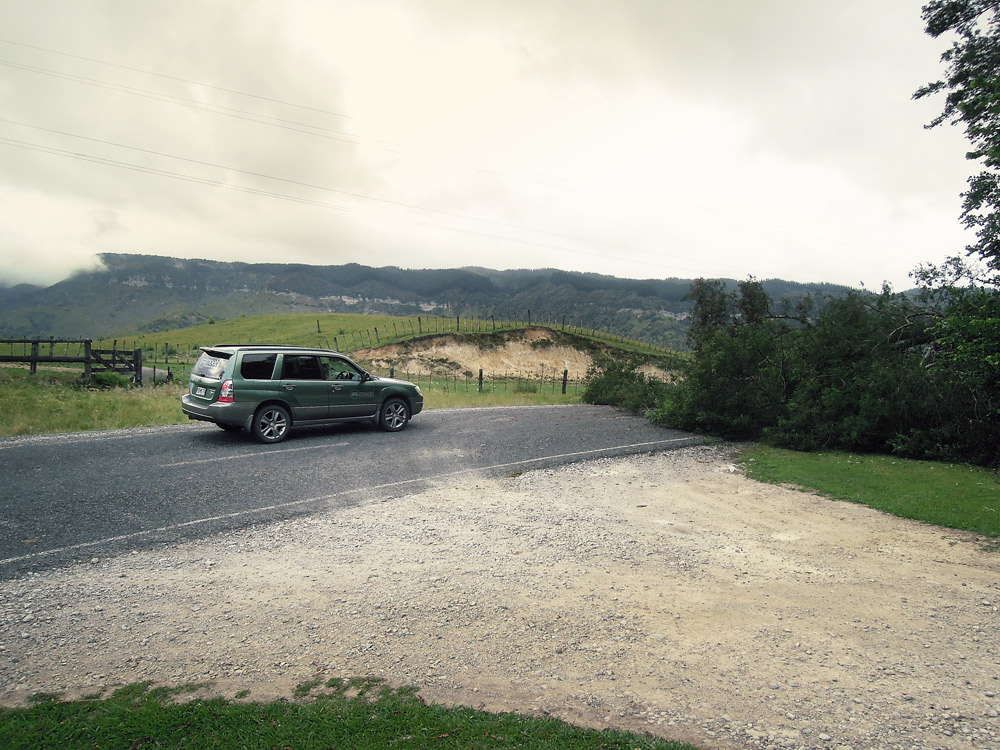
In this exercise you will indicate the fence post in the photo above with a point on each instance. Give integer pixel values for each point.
(480, 379)
(34, 357)
(87, 345)
(420, 325)
(137, 364)
(565, 378)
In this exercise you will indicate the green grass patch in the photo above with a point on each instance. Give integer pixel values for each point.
(54, 401)
(956, 496)
(342, 713)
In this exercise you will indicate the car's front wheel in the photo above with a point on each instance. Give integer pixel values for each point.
(394, 415)
(271, 423)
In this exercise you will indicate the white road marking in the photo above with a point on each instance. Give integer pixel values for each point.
(275, 452)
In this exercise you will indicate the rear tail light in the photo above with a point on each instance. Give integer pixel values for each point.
(228, 394)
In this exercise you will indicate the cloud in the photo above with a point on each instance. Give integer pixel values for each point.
(644, 138)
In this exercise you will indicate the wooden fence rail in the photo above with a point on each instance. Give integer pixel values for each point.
(122, 361)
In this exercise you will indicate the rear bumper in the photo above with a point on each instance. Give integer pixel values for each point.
(236, 414)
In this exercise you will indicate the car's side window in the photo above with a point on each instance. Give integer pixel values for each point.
(339, 369)
(257, 366)
(301, 367)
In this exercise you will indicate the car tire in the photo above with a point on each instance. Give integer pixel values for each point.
(271, 423)
(393, 415)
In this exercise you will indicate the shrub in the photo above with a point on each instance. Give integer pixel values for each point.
(620, 384)
(108, 380)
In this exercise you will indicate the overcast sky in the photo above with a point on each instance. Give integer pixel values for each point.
(639, 138)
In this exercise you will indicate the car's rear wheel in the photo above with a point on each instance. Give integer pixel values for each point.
(394, 415)
(271, 423)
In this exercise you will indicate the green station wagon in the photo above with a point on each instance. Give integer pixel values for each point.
(267, 390)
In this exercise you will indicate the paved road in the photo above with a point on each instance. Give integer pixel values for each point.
(73, 497)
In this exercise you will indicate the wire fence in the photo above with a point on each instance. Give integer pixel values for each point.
(165, 360)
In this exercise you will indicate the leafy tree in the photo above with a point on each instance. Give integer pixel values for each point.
(859, 382)
(712, 309)
(972, 83)
(737, 383)
(964, 360)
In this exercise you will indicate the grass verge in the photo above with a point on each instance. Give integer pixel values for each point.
(360, 713)
(53, 401)
(952, 495)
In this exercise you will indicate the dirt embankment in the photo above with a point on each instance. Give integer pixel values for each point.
(532, 352)
(664, 593)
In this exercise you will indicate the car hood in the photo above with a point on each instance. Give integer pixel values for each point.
(393, 381)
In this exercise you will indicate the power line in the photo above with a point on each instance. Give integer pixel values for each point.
(219, 109)
(297, 199)
(386, 201)
(292, 125)
(175, 78)
(273, 122)
(164, 173)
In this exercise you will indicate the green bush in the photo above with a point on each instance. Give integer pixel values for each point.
(874, 373)
(620, 384)
(108, 380)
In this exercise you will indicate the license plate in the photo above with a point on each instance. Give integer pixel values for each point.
(199, 391)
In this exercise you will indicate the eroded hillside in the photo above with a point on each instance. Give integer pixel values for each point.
(530, 352)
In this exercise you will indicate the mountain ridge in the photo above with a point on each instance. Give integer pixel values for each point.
(149, 293)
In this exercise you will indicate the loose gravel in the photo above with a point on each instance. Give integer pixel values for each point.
(663, 593)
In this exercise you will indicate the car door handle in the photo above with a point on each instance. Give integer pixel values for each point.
(336, 387)
(289, 386)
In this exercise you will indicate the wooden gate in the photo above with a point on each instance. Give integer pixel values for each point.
(124, 362)
(127, 363)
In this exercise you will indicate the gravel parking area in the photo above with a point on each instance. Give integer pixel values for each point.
(663, 593)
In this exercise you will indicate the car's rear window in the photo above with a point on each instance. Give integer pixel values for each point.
(257, 366)
(211, 365)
